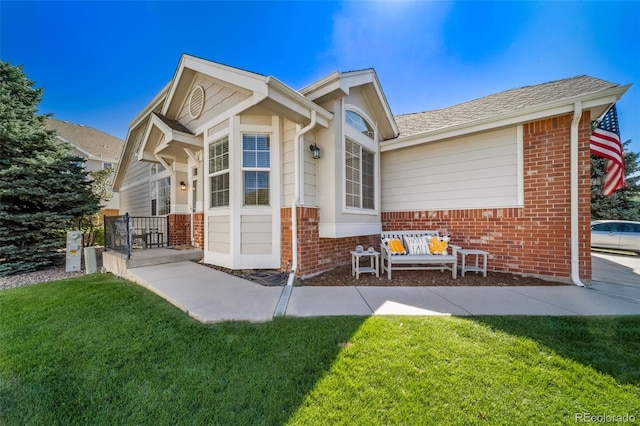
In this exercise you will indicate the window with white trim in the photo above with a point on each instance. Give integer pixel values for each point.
(161, 197)
(156, 168)
(219, 172)
(194, 188)
(256, 167)
(360, 160)
(358, 122)
(359, 176)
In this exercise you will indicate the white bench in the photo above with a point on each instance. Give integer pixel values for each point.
(405, 262)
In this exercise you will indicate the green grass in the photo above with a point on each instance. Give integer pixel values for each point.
(98, 350)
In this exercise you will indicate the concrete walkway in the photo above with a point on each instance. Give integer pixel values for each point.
(209, 295)
(206, 294)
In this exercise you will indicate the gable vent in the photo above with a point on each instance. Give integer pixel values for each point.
(196, 101)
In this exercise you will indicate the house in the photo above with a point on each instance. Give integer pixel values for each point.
(100, 150)
(258, 174)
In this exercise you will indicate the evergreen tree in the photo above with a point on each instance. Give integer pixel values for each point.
(43, 188)
(624, 204)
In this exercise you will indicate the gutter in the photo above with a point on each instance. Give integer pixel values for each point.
(575, 249)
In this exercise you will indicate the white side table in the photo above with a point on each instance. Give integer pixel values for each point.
(374, 259)
(476, 267)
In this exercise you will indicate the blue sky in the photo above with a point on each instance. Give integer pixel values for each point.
(101, 62)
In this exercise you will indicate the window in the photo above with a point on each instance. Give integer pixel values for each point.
(607, 227)
(359, 176)
(219, 172)
(616, 227)
(194, 188)
(630, 228)
(156, 168)
(194, 194)
(256, 165)
(107, 165)
(161, 197)
(360, 124)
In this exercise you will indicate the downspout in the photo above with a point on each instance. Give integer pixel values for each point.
(296, 196)
(575, 249)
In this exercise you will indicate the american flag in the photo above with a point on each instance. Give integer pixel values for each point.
(605, 142)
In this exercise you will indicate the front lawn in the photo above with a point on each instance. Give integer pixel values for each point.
(98, 350)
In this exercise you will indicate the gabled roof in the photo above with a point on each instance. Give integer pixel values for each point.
(94, 143)
(499, 103)
(262, 90)
(339, 84)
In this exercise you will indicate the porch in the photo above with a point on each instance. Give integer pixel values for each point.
(119, 263)
(124, 233)
(134, 242)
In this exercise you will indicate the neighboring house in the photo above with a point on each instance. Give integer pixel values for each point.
(227, 155)
(100, 150)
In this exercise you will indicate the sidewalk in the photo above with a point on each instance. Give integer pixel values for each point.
(209, 296)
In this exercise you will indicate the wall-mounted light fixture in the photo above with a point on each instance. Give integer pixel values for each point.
(183, 186)
(316, 151)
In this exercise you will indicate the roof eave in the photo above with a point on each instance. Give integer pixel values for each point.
(320, 85)
(549, 109)
(128, 143)
(385, 106)
(288, 97)
(153, 104)
(338, 84)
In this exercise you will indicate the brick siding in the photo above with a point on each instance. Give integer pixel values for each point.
(198, 230)
(534, 239)
(179, 229)
(317, 254)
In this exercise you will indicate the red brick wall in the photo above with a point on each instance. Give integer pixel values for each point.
(285, 238)
(198, 230)
(179, 229)
(317, 254)
(535, 239)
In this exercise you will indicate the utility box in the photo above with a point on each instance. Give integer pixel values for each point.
(90, 261)
(74, 252)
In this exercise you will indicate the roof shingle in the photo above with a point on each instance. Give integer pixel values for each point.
(499, 103)
(93, 141)
(173, 124)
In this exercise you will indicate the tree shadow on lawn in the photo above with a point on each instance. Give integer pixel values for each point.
(610, 345)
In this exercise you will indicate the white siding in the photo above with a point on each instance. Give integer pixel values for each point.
(218, 98)
(219, 234)
(479, 171)
(288, 172)
(218, 127)
(135, 194)
(260, 120)
(310, 171)
(288, 167)
(255, 234)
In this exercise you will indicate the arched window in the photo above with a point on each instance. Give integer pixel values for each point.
(358, 121)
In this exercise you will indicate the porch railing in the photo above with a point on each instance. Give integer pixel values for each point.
(123, 233)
